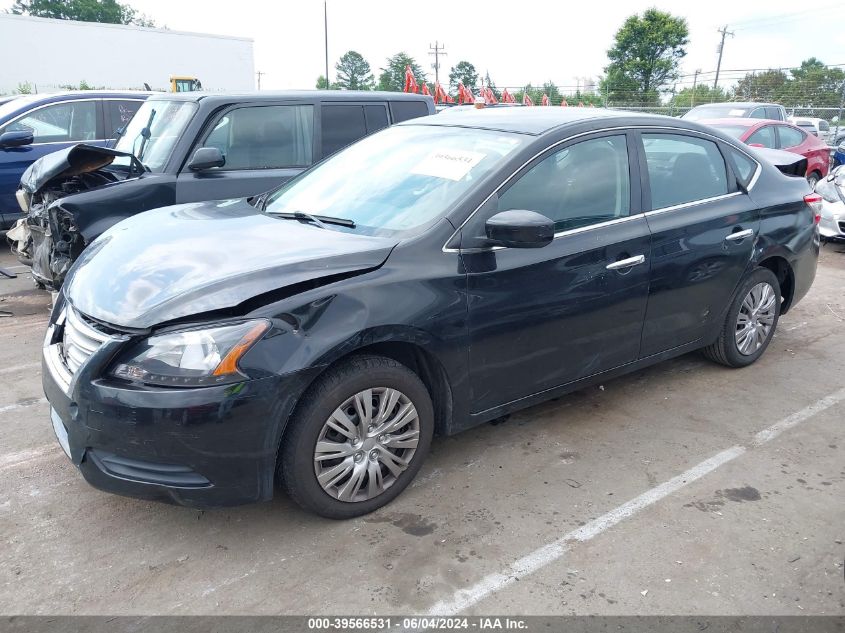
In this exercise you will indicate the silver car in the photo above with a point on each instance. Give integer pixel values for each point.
(832, 191)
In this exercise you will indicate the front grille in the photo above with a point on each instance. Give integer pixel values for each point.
(80, 340)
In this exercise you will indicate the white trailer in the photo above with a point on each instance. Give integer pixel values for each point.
(48, 54)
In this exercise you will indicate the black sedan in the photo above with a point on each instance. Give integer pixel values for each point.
(431, 277)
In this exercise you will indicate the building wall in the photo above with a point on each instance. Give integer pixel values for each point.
(50, 53)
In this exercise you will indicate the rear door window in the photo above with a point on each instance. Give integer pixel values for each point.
(683, 169)
(404, 110)
(118, 114)
(773, 112)
(759, 113)
(743, 166)
(264, 137)
(60, 123)
(342, 125)
(790, 137)
(765, 136)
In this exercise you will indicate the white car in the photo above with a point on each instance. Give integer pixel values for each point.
(832, 191)
(814, 126)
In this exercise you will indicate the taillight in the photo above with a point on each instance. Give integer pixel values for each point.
(814, 201)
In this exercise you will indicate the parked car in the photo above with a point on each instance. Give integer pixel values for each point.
(189, 147)
(752, 110)
(815, 126)
(434, 276)
(832, 191)
(32, 126)
(778, 135)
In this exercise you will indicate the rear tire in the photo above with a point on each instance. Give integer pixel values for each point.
(358, 439)
(750, 322)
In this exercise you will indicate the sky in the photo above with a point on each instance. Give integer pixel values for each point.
(517, 42)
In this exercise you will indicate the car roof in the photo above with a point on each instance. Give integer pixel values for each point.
(736, 120)
(531, 120)
(271, 95)
(738, 104)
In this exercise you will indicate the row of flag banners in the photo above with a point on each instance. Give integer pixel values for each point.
(466, 96)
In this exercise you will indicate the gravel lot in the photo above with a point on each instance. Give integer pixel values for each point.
(683, 488)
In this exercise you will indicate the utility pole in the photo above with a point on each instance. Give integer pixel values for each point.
(694, 82)
(724, 31)
(437, 50)
(326, 38)
(259, 74)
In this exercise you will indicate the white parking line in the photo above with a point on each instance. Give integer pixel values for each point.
(23, 404)
(462, 599)
(10, 370)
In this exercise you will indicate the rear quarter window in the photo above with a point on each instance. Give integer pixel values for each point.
(404, 110)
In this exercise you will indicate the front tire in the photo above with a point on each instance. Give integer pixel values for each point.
(358, 438)
(750, 322)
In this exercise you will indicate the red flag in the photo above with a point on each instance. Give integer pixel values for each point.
(507, 97)
(580, 104)
(489, 96)
(546, 101)
(526, 100)
(450, 99)
(425, 89)
(563, 103)
(440, 94)
(410, 80)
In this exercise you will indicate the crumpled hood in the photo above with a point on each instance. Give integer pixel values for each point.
(72, 161)
(187, 259)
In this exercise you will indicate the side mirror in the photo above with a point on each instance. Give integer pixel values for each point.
(520, 229)
(16, 139)
(206, 158)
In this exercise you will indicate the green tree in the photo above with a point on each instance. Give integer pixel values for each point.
(106, 11)
(463, 72)
(769, 85)
(322, 84)
(704, 93)
(353, 73)
(392, 76)
(645, 57)
(814, 84)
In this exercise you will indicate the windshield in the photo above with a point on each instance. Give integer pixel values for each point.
(397, 180)
(732, 130)
(167, 120)
(715, 112)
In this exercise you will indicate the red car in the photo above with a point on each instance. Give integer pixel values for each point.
(779, 135)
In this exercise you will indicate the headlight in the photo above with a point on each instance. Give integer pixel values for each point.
(23, 200)
(826, 188)
(194, 357)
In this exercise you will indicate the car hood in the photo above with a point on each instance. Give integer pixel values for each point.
(72, 161)
(184, 260)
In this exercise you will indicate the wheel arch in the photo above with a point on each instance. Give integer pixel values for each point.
(782, 269)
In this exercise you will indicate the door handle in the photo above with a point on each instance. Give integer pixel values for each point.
(627, 263)
(739, 235)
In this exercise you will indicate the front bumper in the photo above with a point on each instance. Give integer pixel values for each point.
(203, 447)
(832, 223)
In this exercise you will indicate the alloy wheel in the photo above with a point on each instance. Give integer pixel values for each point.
(366, 444)
(756, 318)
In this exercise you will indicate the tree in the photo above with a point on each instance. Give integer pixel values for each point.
(465, 73)
(704, 93)
(645, 56)
(322, 84)
(353, 73)
(106, 11)
(392, 76)
(814, 84)
(769, 85)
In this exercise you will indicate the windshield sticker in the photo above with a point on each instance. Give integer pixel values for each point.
(452, 164)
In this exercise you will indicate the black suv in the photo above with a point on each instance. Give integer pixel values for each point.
(189, 147)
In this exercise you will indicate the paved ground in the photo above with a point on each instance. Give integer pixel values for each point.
(684, 488)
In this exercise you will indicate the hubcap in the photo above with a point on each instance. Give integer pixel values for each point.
(756, 318)
(366, 444)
